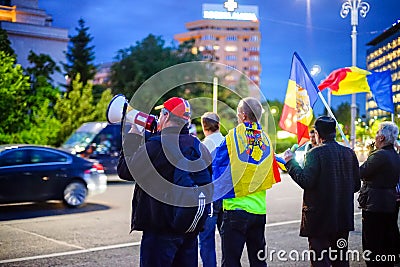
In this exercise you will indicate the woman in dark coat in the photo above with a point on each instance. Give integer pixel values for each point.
(380, 174)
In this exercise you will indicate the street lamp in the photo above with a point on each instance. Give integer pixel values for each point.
(315, 70)
(353, 6)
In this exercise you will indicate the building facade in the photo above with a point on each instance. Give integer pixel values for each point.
(29, 28)
(384, 54)
(229, 34)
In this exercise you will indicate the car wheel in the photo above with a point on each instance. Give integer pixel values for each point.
(75, 194)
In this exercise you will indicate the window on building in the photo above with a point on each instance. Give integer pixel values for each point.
(230, 78)
(231, 58)
(254, 68)
(254, 38)
(254, 78)
(231, 48)
(207, 37)
(230, 67)
(207, 57)
(231, 38)
(253, 58)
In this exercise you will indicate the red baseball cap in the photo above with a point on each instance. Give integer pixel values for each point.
(177, 106)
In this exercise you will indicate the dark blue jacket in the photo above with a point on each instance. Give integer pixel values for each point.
(152, 166)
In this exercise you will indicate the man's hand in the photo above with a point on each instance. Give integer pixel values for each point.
(288, 155)
(135, 130)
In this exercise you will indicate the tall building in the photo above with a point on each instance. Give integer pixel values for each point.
(229, 34)
(384, 54)
(29, 28)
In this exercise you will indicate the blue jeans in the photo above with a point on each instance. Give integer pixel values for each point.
(207, 242)
(165, 250)
(240, 227)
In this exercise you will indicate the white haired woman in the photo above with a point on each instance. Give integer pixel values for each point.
(380, 174)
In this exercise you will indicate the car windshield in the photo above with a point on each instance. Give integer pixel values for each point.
(85, 134)
(79, 138)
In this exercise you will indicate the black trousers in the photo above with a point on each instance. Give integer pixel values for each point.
(238, 228)
(330, 250)
(380, 235)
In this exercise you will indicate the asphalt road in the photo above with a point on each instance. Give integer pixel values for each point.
(48, 234)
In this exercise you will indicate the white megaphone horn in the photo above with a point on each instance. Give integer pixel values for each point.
(115, 114)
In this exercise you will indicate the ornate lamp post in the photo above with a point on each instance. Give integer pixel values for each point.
(353, 7)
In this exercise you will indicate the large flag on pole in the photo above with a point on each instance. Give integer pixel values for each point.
(381, 89)
(353, 80)
(301, 95)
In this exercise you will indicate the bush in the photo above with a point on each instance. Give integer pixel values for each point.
(283, 144)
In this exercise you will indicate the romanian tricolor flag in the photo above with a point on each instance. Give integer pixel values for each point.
(352, 80)
(244, 163)
(301, 95)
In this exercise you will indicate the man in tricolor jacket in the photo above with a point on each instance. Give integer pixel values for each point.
(243, 168)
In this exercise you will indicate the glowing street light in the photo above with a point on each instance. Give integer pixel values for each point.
(315, 70)
(353, 7)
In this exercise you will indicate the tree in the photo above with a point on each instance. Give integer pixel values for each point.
(80, 56)
(5, 44)
(138, 63)
(76, 107)
(42, 65)
(40, 72)
(342, 114)
(14, 90)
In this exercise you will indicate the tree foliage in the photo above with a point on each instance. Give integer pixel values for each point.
(76, 107)
(343, 116)
(80, 55)
(14, 90)
(5, 44)
(138, 63)
(42, 66)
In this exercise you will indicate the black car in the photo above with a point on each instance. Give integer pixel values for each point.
(30, 173)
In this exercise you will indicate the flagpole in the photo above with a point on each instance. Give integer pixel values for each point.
(328, 108)
(215, 94)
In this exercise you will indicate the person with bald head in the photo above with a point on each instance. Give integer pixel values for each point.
(246, 153)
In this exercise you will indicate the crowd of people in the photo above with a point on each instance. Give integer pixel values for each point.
(174, 231)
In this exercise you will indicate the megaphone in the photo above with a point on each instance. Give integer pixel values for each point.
(116, 109)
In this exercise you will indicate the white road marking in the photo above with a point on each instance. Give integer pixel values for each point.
(294, 221)
(71, 252)
(80, 251)
(47, 238)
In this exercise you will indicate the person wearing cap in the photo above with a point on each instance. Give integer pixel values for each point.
(380, 174)
(213, 138)
(166, 240)
(329, 178)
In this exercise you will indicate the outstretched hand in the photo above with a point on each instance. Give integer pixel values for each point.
(288, 155)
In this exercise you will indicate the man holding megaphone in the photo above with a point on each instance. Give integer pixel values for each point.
(169, 230)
